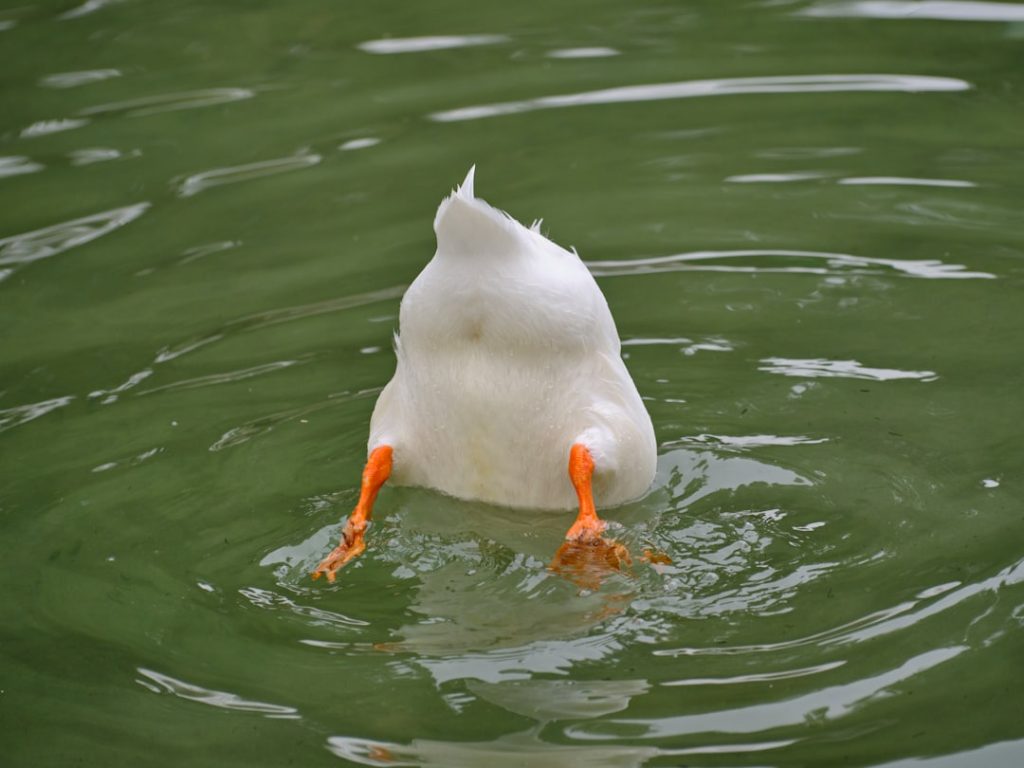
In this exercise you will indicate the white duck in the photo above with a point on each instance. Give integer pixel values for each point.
(508, 370)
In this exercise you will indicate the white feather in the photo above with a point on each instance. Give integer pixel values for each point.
(507, 355)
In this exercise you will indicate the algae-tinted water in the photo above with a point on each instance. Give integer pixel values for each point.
(806, 218)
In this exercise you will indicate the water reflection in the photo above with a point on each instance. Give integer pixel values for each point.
(50, 241)
(46, 127)
(171, 102)
(519, 749)
(90, 155)
(161, 683)
(89, 6)
(775, 178)
(75, 79)
(785, 261)
(217, 177)
(943, 10)
(434, 43)
(843, 369)
(582, 53)
(16, 166)
(829, 703)
(363, 143)
(721, 87)
(903, 181)
(929, 602)
(561, 699)
(20, 414)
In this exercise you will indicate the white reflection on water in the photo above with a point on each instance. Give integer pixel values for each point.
(364, 143)
(170, 102)
(526, 748)
(582, 53)
(746, 441)
(17, 165)
(904, 181)
(998, 755)
(217, 177)
(19, 414)
(74, 79)
(943, 10)
(46, 127)
(161, 683)
(907, 614)
(560, 699)
(775, 178)
(757, 677)
(266, 599)
(225, 377)
(835, 263)
(91, 155)
(720, 87)
(828, 703)
(434, 43)
(843, 369)
(49, 241)
(688, 347)
(89, 6)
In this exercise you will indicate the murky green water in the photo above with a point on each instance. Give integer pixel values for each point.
(806, 218)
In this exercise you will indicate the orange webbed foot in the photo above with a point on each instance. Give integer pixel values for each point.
(586, 557)
(352, 545)
(375, 474)
(587, 561)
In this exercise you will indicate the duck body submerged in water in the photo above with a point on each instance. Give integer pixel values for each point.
(508, 373)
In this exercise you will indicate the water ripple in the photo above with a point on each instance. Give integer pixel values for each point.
(90, 155)
(75, 79)
(942, 10)
(264, 598)
(434, 43)
(362, 143)
(835, 264)
(720, 87)
(904, 181)
(161, 683)
(217, 177)
(597, 52)
(927, 603)
(774, 178)
(519, 749)
(561, 699)
(756, 677)
(89, 6)
(170, 102)
(826, 704)
(224, 378)
(688, 347)
(46, 127)
(17, 165)
(746, 441)
(49, 241)
(844, 369)
(264, 424)
(19, 414)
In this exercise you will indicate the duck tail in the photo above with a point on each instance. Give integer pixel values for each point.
(467, 225)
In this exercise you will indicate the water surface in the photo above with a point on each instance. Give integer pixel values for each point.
(806, 219)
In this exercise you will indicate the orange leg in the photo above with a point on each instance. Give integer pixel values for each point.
(377, 471)
(586, 555)
(588, 525)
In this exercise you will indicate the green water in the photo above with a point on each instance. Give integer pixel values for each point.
(806, 219)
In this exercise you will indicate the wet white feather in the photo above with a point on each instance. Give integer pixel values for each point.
(507, 355)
